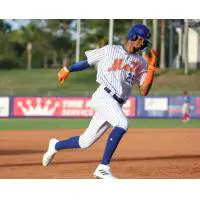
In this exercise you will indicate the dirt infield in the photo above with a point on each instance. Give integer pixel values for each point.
(143, 153)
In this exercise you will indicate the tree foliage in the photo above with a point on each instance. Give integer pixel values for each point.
(54, 40)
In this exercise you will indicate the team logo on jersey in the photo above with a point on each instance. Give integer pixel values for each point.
(135, 66)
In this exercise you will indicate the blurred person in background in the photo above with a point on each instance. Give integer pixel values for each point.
(185, 107)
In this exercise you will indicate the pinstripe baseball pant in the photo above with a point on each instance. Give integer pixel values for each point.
(108, 113)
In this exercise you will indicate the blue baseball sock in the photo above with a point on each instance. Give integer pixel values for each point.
(112, 142)
(70, 143)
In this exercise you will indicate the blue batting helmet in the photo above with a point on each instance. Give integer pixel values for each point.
(139, 30)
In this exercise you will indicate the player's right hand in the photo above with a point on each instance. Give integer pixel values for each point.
(151, 59)
(63, 75)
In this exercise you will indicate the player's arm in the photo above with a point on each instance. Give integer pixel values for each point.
(93, 57)
(63, 74)
(151, 68)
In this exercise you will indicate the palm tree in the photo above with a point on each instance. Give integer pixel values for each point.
(27, 37)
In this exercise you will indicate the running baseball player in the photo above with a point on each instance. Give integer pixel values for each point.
(118, 68)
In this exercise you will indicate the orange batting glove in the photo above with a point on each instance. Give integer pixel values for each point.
(63, 75)
(151, 59)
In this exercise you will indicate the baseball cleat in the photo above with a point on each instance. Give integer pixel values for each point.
(103, 172)
(48, 156)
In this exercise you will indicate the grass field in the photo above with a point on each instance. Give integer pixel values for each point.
(52, 124)
(43, 82)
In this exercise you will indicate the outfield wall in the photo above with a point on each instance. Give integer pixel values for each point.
(78, 107)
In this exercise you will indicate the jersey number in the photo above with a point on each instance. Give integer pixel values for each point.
(129, 78)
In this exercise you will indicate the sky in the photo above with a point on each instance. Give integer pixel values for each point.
(16, 24)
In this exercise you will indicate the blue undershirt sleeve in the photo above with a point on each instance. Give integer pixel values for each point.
(79, 66)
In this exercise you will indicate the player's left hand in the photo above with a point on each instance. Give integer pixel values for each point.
(150, 58)
(63, 75)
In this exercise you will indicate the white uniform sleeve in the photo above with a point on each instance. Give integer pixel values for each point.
(142, 74)
(94, 56)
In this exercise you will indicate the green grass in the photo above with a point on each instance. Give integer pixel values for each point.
(43, 82)
(52, 124)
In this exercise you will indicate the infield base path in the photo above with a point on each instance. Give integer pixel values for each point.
(142, 153)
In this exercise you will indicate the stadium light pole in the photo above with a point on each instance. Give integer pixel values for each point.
(144, 21)
(78, 32)
(186, 27)
(180, 47)
(155, 27)
(162, 44)
(111, 26)
(171, 35)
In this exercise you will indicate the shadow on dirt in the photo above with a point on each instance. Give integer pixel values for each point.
(170, 157)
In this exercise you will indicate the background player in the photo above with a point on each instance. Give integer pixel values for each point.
(185, 107)
(118, 68)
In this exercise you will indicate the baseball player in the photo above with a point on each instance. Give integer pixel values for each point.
(118, 68)
(185, 107)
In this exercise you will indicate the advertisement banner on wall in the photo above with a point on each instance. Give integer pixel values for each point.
(4, 106)
(195, 107)
(60, 107)
(152, 107)
(176, 103)
(175, 106)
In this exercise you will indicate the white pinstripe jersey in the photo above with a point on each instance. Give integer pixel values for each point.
(117, 69)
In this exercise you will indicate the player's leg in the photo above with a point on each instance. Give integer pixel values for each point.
(111, 112)
(185, 112)
(94, 131)
(97, 127)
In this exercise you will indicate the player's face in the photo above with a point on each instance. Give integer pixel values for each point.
(134, 46)
(137, 44)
